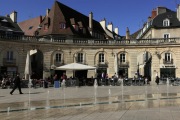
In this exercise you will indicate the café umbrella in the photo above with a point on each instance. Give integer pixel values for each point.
(75, 66)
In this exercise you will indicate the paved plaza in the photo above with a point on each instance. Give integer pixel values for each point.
(150, 102)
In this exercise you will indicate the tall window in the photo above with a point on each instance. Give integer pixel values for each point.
(80, 57)
(58, 57)
(167, 57)
(101, 57)
(9, 55)
(123, 57)
(166, 22)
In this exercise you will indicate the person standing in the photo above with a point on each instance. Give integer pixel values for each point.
(17, 84)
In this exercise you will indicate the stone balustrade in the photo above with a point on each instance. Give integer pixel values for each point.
(61, 40)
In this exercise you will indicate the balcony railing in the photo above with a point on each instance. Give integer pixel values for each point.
(63, 40)
(9, 62)
(102, 64)
(82, 62)
(168, 61)
(124, 64)
(58, 63)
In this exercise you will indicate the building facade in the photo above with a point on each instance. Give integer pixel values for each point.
(121, 57)
(61, 38)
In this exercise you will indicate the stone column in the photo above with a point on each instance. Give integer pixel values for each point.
(155, 67)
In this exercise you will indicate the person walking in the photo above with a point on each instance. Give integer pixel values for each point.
(157, 80)
(17, 84)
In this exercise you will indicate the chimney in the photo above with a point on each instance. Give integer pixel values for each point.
(103, 23)
(110, 26)
(116, 30)
(154, 13)
(13, 16)
(161, 10)
(178, 12)
(91, 20)
(40, 19)
(127, 34)
(47, 12)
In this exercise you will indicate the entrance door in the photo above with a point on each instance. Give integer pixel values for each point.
(123, 72)
(100, 71)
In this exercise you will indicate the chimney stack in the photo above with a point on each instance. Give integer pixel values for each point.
(110, 26)
(154, 13)
(47, 12)
(127, 34)
(178, 12)
(103, 23)
(91, 20)
(116, 30)
(40, 19)
(13, 16)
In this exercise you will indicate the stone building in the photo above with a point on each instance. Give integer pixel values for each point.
(61, 38)
(9, 27)
(163, 24)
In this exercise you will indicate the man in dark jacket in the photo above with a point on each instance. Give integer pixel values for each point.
(157, 80)
(17, 83)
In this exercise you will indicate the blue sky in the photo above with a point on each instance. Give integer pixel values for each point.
(122, 13)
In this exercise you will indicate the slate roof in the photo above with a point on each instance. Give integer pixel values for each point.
(7, 25)
(171, 15)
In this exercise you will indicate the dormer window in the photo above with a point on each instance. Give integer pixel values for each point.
(166, 22)
(62, 25)
(76, 27)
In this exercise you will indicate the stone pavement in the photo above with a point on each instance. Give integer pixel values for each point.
(88, 103)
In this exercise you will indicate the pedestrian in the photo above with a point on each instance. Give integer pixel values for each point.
(17, 84)
(157, 80)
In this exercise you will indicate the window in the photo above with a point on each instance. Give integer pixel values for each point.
(166, 23)
(167, 57)
(62, 25)
(123, 57)
(101, 57)
(9, 55)
(76, 27)
(58, 57)
(30, 27)
(80, 57)
(166, 36)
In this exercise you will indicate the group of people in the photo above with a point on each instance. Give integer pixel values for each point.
(17, 80)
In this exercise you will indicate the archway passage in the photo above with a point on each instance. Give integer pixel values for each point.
(144, 64)
(37, 64)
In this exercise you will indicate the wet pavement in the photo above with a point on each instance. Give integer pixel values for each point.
(89, 103)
